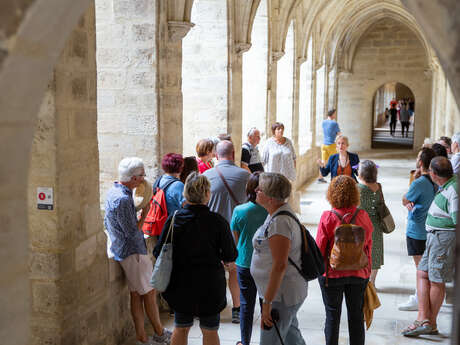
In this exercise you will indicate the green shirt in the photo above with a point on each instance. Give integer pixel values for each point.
(443, 211)
(246, 219)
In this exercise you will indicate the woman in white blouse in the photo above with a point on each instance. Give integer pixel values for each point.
(279, 155)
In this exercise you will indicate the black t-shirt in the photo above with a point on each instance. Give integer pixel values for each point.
(393, 113)
(251, 158)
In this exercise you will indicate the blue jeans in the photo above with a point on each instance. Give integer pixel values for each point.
(288, 326)
(248, 294)
(353, 288)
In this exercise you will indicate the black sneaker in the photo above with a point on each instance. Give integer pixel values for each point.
(236, 315)
(321, 180)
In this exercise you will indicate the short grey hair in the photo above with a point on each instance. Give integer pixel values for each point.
(196, 187)
(129, 167)
(251, 131)
(456, 138)
(368, 171)
(275, 185)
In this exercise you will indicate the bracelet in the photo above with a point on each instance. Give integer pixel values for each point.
(264, 301)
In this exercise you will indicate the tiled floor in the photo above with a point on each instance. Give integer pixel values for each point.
(395, 281)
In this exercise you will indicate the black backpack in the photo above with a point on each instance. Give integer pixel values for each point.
(312, 261)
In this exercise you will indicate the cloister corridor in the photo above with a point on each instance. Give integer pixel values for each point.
(395, 281)
(85, 83)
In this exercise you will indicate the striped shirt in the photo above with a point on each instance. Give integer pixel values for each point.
(443, 211)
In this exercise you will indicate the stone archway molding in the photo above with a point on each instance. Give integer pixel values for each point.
(27, 64)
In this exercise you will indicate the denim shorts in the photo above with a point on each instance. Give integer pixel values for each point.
(439, 256)
(211, 322)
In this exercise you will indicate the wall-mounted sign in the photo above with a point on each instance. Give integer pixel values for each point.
(44, 198)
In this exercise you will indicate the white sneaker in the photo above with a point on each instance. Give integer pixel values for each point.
(410, 305)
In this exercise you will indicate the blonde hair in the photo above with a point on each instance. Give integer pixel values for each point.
(196, 187)
(344, 137)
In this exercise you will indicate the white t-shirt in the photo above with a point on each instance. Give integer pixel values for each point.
(293, 289)
(280, 158)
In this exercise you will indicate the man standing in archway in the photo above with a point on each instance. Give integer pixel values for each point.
(331, 130)
(393, 116)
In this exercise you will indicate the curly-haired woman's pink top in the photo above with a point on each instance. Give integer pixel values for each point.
(325, 239)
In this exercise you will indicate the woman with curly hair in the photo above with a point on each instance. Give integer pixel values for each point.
(343, 195)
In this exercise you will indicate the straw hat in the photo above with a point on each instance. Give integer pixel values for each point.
(142, 195)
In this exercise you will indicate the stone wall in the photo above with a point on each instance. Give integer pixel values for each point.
(76, 299)
(388, 52)
(127, 95)
(204, 73)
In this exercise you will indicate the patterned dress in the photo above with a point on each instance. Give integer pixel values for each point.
(370, 202)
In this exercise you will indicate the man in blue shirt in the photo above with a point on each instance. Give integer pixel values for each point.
(128, 248)
(418, 200)
(331, 130)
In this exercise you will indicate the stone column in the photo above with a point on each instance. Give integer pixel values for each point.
(173, 24)
(295, 113)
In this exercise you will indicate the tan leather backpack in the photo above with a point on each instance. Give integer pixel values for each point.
(348, 250)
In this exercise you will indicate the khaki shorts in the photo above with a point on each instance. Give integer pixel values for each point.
(439, 256)
(138, 271)
(327, 151)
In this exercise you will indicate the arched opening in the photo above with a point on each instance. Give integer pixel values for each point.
(393, 104)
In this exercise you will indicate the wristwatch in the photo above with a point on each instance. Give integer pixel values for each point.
(264, 301)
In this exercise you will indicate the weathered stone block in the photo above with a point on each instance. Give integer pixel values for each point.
(124, 9)
(50, 266)
(143, 32)
(145, 79)
(111, 79)
(79, 46)
(83, 124)
(85, 253)
(79, 89)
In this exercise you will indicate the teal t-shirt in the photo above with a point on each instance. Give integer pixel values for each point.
(246, 219)
(421, 193)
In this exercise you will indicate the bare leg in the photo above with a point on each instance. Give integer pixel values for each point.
(374, 276)
(417, 259)
(151, 308)
(137, 312)
(210, 337)
(437, 293)
(234, 288)
(180, 336)
(423, 295)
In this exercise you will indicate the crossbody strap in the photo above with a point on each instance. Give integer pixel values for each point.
(227, 186)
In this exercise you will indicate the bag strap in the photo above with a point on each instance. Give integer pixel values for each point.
(289, 214)
(342, 218)
(171, 228)
(226, 186)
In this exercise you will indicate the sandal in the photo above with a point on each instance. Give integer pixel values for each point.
(421, 327)
(239, 342)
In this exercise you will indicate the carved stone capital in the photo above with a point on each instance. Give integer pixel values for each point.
(301, 59)
(242, 47)
(428, 73)
(276, 55)
(178, 30)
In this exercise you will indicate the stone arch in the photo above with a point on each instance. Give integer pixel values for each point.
(380, 124)
(33, 47)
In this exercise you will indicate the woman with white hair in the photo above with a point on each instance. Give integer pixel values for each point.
(201, 242)
(278, 282)
(341, 163)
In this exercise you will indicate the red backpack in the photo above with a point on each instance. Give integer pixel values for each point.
(158, 213)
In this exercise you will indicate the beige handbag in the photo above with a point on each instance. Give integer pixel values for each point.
(385, 215)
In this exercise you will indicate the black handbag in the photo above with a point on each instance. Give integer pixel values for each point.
(312, 261)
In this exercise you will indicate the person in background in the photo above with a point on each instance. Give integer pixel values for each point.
(228, 191)
(331, 130)
(343, 195)
(455, 148)
(371, 201)
(129, 249)
(250, 156)
(404, 117)
(439, 150)
(393, 117)
(190, 165)
(201, 242)
(205, 152)
(342, 163)
(172, 164)
(279, 154)
(279, 284)
(447, 143)
(246, 219)
(417, 201)
(437, 264)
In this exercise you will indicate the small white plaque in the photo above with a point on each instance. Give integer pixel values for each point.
(45, 198)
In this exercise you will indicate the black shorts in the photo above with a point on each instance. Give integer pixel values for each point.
(415, 247)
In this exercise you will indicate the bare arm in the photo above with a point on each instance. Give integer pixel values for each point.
(245, 167)
(407, 203)
(279, 247)
(236, 237)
